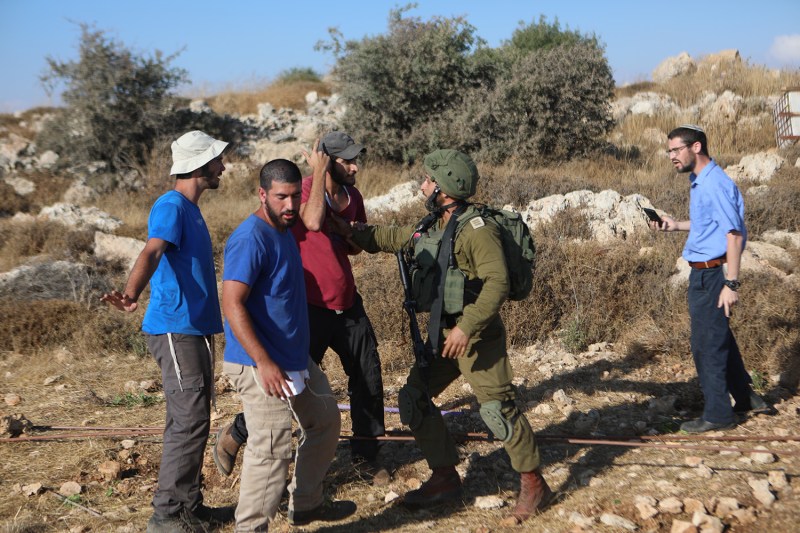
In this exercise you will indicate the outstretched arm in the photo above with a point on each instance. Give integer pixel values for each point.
(140, 275)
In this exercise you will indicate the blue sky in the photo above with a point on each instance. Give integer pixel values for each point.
(236, 43)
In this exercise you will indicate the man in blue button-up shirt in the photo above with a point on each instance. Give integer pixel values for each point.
(717, 236)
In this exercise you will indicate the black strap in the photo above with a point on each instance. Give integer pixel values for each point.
(443, 259)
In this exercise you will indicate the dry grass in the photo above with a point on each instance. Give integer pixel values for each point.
(244, 101)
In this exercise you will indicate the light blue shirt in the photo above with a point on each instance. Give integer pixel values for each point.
(716, 208)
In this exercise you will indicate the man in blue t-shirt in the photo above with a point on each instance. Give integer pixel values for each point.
(717, 236)
(267, 360)
(180, 322)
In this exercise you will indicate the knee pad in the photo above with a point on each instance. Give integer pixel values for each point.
(412, 403)
(498, 424)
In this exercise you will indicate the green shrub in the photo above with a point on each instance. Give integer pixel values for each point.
(395, 83)
(117, 103)
(430, 84)
(297, 75)
(551, 104)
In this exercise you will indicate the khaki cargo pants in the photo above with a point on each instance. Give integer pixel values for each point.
(269, 446)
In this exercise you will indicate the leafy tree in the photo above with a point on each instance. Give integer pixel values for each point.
(545, 36)
(117, 103)
(395, 83)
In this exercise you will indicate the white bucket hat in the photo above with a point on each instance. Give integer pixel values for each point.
(193, 150)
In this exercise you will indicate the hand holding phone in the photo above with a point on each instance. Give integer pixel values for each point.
(652, 215)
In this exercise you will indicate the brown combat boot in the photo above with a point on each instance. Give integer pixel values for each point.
(534, 495)
(225, 450)
(444, 485)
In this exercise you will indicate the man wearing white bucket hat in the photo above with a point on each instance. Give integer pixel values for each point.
(180, 321)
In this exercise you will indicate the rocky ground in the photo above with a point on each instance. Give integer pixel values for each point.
(599, 394)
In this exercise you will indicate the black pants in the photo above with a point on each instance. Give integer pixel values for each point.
(351, 336)
(187, 419)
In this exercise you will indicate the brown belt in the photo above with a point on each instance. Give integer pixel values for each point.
(719, 261)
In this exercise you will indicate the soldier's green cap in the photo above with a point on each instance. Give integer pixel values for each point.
(454, 172)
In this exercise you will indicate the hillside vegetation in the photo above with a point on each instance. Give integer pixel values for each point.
(425, 84)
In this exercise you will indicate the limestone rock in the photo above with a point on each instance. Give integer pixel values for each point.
(580, 520)
(110, 470)
(80, 217)
(21, 186)
(42, 279)
(491, 501)
(33, 489)
(70, 488)
(707, 523)
(763, 458)
(692, 505)
(390, 497)
(725, 506)
(681, 526)
(761, 491)
(758, 167)
(613, 520)
(670, 505)
(679, 65)
(111, 247)
(397, 198)
(12, 399)
(777, 479)
(646, 505)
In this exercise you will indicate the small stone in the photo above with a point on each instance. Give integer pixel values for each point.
(762, 457)
(707, 523)
(725, 506)
(613, 520)
(12, 399)
(70, 488)
(640, 425)
(781, 432)
(110, 470)
(761, 491)
(580, 520)
(777, 479)
(679, 526)
(51, 379)
(693, 460)
(646, 510)
(543, 409)
(148, 385)
(671, 505)
(413, 483)
(704, 471)
(127, 444)
(390, 497)
(32, 489)
(746, 515)
(692, 505)
(131, 386)
(491, 501)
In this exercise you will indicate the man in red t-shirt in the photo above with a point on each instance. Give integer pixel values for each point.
(337, 319)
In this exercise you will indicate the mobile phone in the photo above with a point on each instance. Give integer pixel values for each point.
(652, 215)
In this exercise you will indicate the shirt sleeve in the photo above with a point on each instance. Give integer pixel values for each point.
(726, 203)
(483, 249)
(165, 223)
(243, 260)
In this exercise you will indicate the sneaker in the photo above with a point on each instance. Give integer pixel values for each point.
(328, 511)
(181, 522)
(215, 516)
(225, 450)
(699, 425)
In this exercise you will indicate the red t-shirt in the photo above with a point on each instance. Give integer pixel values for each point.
(327, 270)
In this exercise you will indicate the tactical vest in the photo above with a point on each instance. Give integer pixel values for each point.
(458, 290)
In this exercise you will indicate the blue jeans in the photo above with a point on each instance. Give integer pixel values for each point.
(716, 355)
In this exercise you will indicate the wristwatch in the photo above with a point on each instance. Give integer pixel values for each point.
(733, 284)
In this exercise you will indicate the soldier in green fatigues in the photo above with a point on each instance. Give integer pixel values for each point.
(470, 339)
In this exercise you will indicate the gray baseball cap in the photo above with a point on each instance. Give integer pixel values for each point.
(340, 144)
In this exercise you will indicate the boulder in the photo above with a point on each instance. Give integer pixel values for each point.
(758, 167)
(672, 67)
(397, 198)
(43, 279)
(726, 108)
(111, 247)
(80, 217)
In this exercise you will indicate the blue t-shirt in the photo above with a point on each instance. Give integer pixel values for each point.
(183, 289)
(716, 208)
(268, 261)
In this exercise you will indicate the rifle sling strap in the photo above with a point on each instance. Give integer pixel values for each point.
(443, 259)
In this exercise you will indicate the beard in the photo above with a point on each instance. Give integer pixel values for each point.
(341, 179)
(277, 218)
